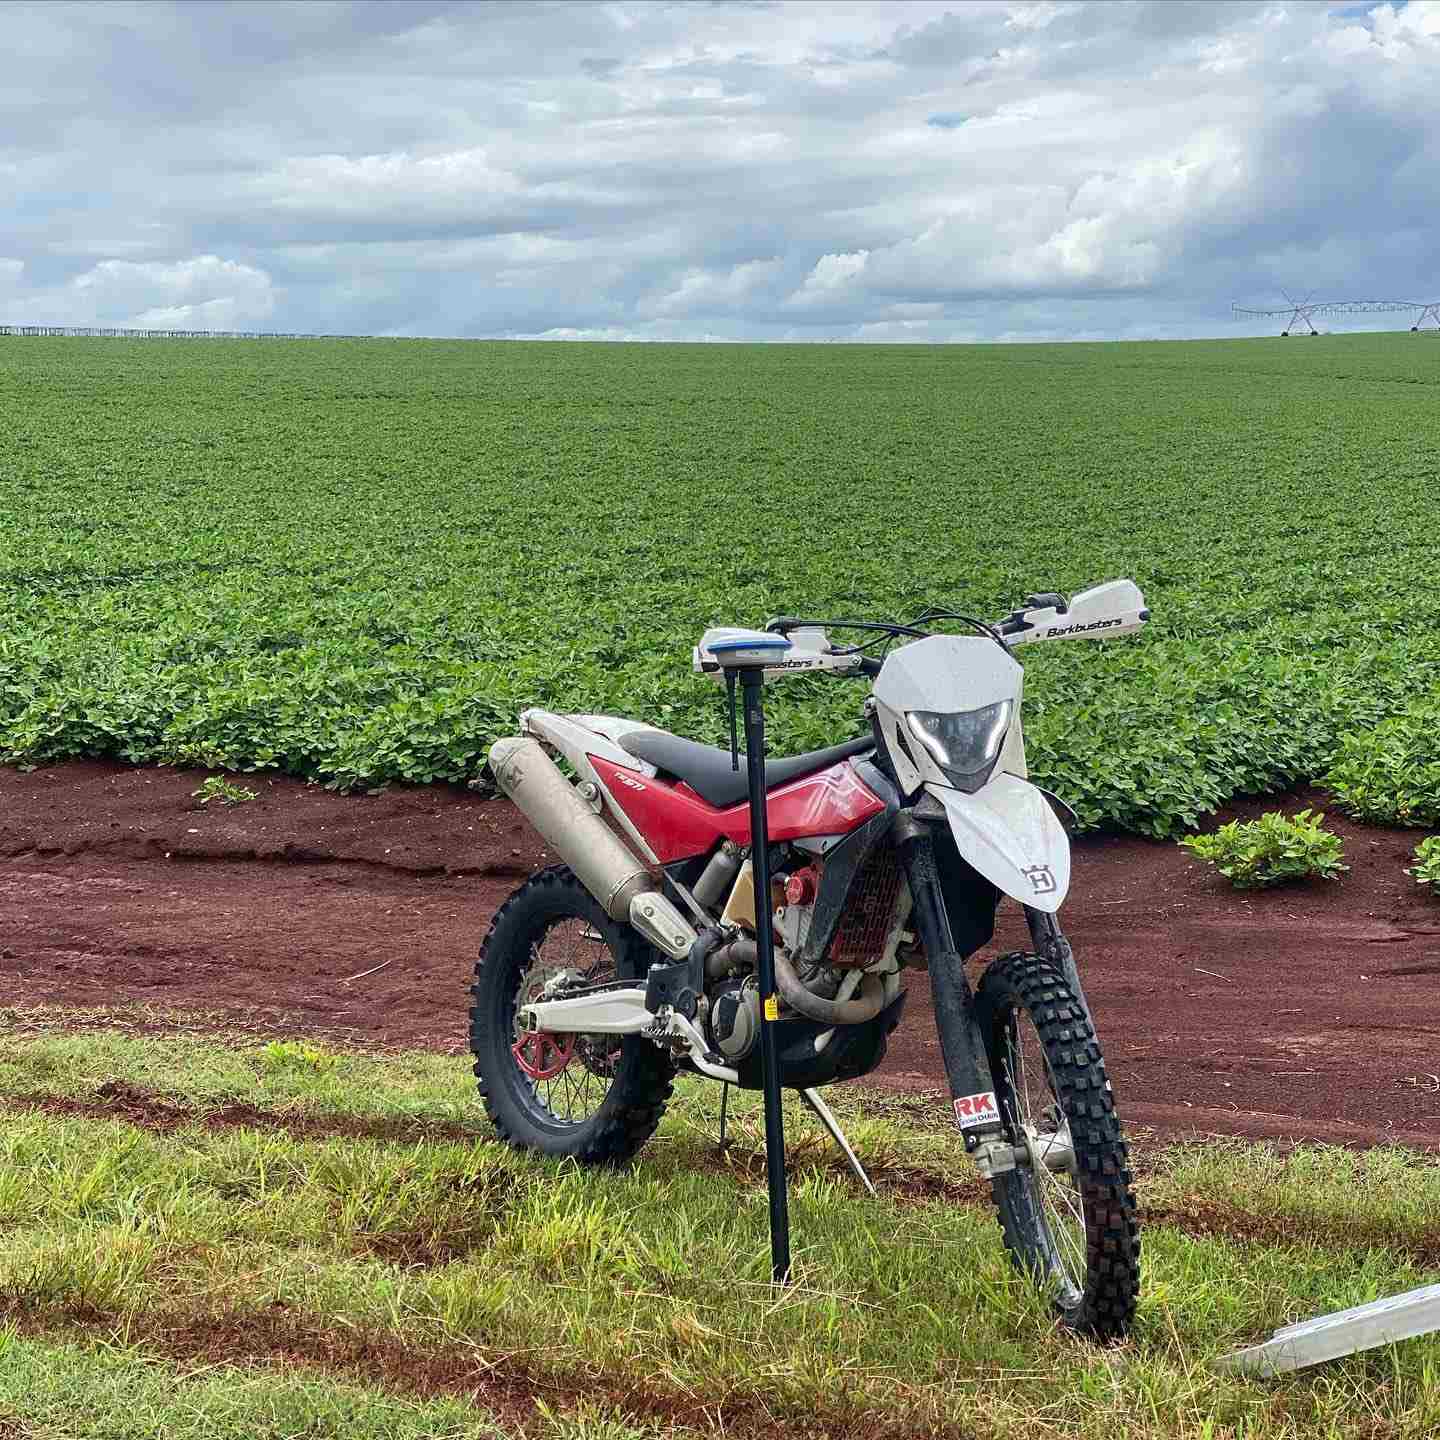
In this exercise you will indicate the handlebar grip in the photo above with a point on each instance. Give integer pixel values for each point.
(1051, 598)
(871, 667)
(783, 623)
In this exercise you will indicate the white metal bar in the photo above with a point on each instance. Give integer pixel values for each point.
(1328, 1337)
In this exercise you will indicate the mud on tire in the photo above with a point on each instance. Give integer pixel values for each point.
(1074, 1233)
(609, 1107)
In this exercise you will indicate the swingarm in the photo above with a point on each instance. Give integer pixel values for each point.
(622, 1011)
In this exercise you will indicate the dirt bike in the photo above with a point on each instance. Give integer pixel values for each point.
(670, 939)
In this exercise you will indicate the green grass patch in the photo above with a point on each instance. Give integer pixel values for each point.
(356, 561)
(429, 1239)
(111, 1389)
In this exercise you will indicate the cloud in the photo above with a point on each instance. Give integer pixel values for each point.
(566, 332)
(203, 292)
(708, 292)
(199, 293)
(943, 169)
(833, 276)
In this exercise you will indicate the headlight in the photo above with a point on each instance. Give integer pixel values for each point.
(964, 745)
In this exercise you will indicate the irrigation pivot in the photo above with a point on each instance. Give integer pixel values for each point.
(1329, 1337)
(1302, 312)
(1430, 312)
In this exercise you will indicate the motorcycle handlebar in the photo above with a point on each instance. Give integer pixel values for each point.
(870, 667)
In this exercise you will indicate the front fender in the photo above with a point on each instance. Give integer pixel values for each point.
(1009, 833)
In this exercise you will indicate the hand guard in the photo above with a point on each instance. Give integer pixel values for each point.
(729, 647)
(1115, 608)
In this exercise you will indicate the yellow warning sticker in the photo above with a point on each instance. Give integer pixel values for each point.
(772, 1008)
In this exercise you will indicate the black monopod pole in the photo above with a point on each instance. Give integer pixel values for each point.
(753, 682)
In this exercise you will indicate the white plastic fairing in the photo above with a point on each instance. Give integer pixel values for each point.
(949, 673)
(577, 738)
(1009, 833)
(615, 728)
(946, 675)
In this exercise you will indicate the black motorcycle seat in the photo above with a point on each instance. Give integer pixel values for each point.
(706, 769)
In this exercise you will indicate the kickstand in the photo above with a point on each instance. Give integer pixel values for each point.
(828, 1120)
(724, 1106)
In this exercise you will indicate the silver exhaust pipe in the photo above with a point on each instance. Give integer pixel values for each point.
(602, 862)
(793, 991)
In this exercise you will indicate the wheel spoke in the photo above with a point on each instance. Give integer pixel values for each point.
(561, 1068)
(1062, 1208)
(1068, 1198)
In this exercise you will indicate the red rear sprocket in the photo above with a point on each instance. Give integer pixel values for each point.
(543, 1055)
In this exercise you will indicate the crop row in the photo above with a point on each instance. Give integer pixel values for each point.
(358, 562)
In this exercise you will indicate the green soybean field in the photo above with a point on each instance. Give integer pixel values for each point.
(357, 560)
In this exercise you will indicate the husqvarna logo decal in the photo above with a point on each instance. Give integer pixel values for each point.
(1041, 878)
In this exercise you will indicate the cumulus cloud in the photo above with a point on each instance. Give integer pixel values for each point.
(934, 169)
(704, 290)
(203, 292)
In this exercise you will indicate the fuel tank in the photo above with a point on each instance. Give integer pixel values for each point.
(678, 824)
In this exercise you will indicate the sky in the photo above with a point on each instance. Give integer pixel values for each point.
(736, 170)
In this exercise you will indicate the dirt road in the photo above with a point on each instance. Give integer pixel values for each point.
(1311, 1012)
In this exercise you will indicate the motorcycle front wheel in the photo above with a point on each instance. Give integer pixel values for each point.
(1068, 1215)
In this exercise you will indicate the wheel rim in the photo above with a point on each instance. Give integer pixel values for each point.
(1041, 1125)
(565, 1077)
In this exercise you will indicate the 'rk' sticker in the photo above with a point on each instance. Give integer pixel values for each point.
(973, 1110)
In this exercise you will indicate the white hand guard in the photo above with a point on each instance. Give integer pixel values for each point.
(804, 650)
(1115, 608)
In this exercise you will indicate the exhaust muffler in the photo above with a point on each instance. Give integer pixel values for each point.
(602, 862)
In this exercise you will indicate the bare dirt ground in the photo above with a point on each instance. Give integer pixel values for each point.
(1303, 1013)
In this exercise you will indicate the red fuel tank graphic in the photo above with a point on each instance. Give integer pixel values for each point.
(678, 823)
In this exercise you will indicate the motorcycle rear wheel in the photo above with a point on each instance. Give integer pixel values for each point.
(592, 1098)
(1070, 1225)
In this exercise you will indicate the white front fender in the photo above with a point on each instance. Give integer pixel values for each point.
(1009, 833)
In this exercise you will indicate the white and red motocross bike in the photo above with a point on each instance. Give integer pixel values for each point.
(601, 976)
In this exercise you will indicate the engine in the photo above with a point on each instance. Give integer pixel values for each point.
(830, 963)
(794, 917)
(735, 1017)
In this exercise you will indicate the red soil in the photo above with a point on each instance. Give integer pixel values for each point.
(1310, 1012)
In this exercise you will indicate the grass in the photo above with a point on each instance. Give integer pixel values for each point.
(104, 1389)
(173, 1203)
(356, 561)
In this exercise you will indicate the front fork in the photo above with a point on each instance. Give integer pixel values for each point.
(967, 1065)
(1050, 943)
